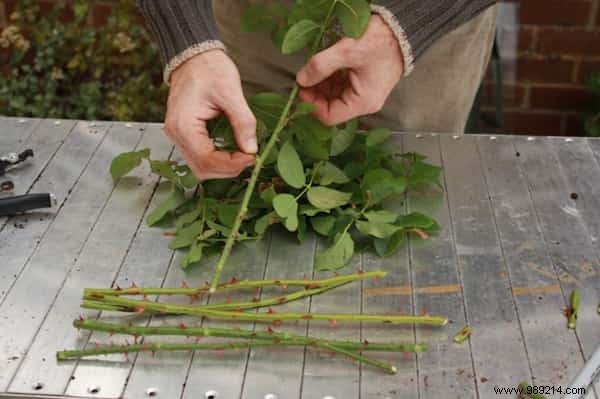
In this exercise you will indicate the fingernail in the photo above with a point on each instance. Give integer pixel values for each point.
(251, 146)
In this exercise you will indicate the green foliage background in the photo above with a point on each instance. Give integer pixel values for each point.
(591, 116)
(79, 71)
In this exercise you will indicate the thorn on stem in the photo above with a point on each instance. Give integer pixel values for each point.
(184, 285)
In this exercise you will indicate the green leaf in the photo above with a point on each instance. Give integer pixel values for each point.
(227, 214)
(310, 211)
(194, 255)
(224, 230)
(299, 36)
(387, 246)
(382, 216)
(186, 177)
(262, 224)
(301, 233)
(268, 194)
(336, 256)
(342, 140)
(187, 235)
(126, 162)
(377, 136)
(417, 220)
(327, 198)
(328, 174)
(290, 166)
(376, 229)
(187, 218)
(310, 127)
(268, 108)
(422, 172)
(323, 224)
(381, 184)
(354, 16)
(303, 109)
(175, 198)
(286, 207)
(163, 169)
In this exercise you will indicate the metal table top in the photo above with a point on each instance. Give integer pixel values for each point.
(513, 246)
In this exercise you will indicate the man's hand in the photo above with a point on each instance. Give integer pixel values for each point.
(201, 89)
(353, 77)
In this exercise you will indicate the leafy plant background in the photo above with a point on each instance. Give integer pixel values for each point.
(591, 116)
(65, 67)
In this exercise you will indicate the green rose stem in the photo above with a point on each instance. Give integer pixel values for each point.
(157, 307)
(574, 309)
(182, 330)
(283, 120)
(155, 347)
(237, 306)
(238, 285)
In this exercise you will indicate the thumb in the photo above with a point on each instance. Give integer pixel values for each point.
(324, 64)
(242, 121)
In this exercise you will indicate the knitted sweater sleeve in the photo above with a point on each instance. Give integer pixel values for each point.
(185, 28)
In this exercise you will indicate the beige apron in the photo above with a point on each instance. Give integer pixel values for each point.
(436, 97)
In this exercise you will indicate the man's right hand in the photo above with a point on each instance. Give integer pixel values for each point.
(201, 89)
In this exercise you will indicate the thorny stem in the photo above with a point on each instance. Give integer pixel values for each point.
(186, 331)
(234, 285)
(159, 346)
(144, 306)
(249, 190)
(283, 120)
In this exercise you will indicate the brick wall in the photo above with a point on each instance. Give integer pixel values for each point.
(547, 56)
(548, 48)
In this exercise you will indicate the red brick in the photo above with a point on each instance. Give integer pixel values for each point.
(530, 123)
(565, 98)
(100, 13)
(574, 127)
(3, 16)
(586, 68)
(526, 38)
(555, 12)
(569, 41)
(514, 95)
(542, 69)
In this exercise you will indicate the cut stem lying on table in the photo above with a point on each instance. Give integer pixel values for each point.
(204, 311)
(235, 285)
(182, 330)
(573, 310)
(155, 347)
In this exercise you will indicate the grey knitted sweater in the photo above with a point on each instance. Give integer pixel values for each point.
(185, 28)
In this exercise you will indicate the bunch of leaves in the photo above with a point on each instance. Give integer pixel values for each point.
(333, 181)
(73, 69)
(591, 116)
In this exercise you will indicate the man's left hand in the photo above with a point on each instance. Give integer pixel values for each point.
(353, 77)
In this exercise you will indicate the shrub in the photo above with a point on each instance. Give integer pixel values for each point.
(57, 65)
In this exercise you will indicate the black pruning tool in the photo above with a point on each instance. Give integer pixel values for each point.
(13, 205)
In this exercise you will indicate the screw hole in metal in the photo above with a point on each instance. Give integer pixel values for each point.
(419, 136)
(455, 137)
(152, 392)
(569, 140)
(271, 396)
(94, 389)
(493, 138)
(211, 394)
(530, 138)
(38, 386)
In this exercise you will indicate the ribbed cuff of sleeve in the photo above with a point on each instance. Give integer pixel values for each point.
(188, 53)
(184, 28)
(418, 24)
(390, 19)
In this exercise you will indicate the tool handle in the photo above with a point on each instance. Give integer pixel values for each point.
(23, 203)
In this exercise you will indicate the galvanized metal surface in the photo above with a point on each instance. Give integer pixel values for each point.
(513, 246)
